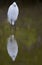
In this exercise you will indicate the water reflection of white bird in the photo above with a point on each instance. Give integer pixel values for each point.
(13, 12)
(12, 47)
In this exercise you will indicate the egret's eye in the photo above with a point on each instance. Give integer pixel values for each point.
(14, 5)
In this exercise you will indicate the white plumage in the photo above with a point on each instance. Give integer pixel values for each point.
(12, 47)
(13, 12)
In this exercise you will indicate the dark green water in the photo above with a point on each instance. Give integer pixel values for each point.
(28, 35)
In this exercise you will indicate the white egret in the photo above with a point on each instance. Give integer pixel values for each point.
(12, 47)
(12, 13)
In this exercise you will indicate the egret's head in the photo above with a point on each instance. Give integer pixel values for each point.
(14, 4)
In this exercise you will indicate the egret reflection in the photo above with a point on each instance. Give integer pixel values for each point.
(12, 47)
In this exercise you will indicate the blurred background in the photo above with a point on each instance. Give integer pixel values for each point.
(28, 32)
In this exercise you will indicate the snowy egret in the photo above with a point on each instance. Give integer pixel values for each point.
(12, 47)
(12, 14)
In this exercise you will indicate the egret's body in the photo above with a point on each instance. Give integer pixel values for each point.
(12, 14)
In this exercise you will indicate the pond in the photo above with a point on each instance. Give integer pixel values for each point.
(28, 37)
